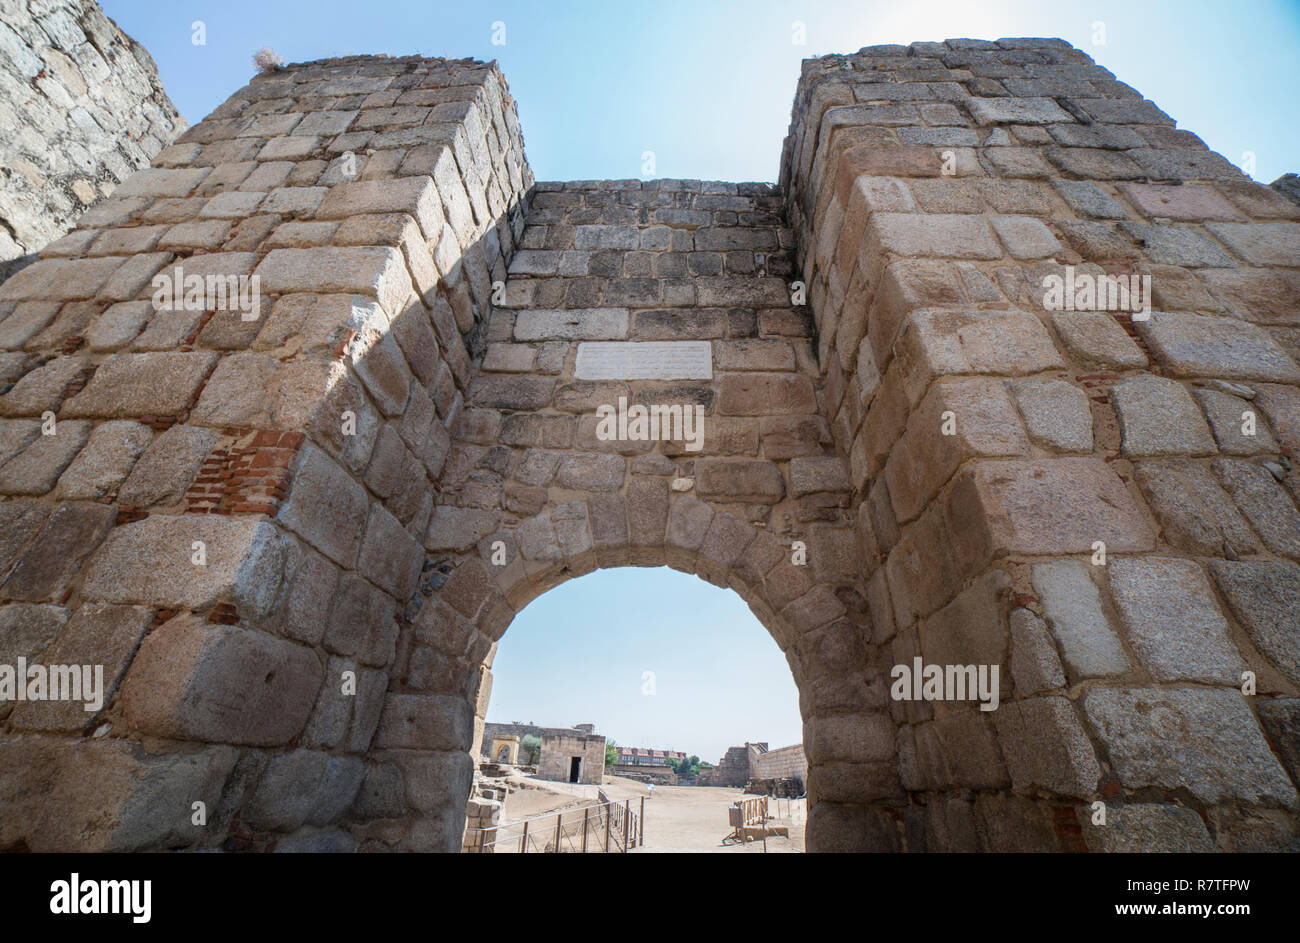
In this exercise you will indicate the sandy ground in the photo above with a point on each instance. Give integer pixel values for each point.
(538, 797)
(694, 819)
(689, 819)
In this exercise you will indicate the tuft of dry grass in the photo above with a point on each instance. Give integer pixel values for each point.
(267, 60)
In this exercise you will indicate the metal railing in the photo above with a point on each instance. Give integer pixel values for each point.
(603, 828)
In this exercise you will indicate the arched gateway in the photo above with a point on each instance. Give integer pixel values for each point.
(292, 518)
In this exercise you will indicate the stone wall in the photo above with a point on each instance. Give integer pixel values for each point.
(482, 816)
(228, 513)
(558, 752)
(662, 775)
(783, 763)
(932, 187)
(491, 730)
(81, 109)
(732, 769)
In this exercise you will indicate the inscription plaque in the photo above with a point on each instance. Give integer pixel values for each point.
(644, 360)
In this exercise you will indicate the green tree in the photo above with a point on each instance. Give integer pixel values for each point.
(530, 749)
(611, 753)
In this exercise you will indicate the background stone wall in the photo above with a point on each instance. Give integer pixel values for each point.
(492, 730)
(1120, 681)
(781, 763)
(732, 769)
(81, 109)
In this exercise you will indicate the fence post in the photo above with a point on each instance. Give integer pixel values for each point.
(609, 809)
(558, 819)
(640, 834)
(627, 817)
(586, 814)
(523, 839)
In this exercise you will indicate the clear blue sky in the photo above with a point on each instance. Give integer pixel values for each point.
(580, 653)
(707, 85)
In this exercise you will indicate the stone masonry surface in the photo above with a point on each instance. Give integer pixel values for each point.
(393, 455)
(81, 109)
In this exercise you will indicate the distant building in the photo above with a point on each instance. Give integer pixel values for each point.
(568, 754)
(646, 765)
(640, 756)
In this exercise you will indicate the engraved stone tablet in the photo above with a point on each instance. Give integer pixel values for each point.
(645, 360)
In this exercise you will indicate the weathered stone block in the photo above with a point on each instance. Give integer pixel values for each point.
(1074, 611)
(1056, 413)
(765, 394)
(390, 557)
(1265, 598)
(945, 236)
(1264, 503)
(1007, 343)
(1194, 512)
(26, 630)
(105, 461)
(326, 506)
(156, 562)
(414, 195)
(739, 481)
(373, 271)
(1017, 111)
(1097, 339)
(361, 622)
(196, 680)
(1035, 666)
(421, 722)
(1148, 828)
(1089, 504)
(133, 385)
(105, 795)
(98, 635)
(50, 563)
(1158, 417)
(958, 420)
(1173, 620)
(1200, 345)
(1046, 747)
(1199, 739)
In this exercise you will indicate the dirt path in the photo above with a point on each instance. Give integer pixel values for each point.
(531, 797)
(694, 819)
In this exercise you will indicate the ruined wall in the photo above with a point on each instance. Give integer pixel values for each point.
(493, 730)
(782, 763)
(81, 109)
(732, 769)
(931, 188)
(662, 775)
(228, 512)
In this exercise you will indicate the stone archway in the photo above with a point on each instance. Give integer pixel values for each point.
(532, 495)
(276, 532)
(847, 730)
